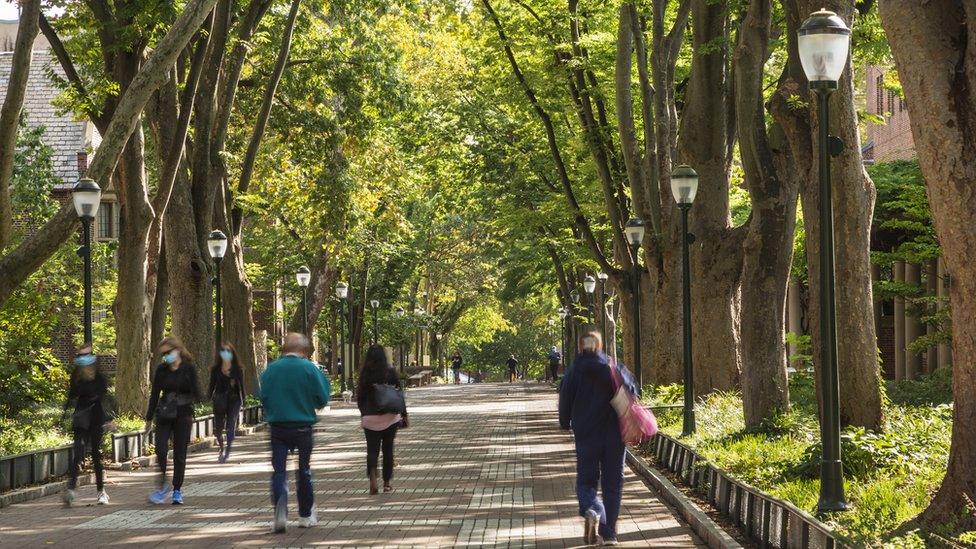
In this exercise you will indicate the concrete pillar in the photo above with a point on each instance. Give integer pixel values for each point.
(913, 325)
(945, 349)
(899, 274)
(794, 312)
(931, 290)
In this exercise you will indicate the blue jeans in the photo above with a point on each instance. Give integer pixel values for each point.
(283, 440)
(600, 459)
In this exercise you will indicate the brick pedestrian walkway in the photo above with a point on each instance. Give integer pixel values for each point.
(481, 466)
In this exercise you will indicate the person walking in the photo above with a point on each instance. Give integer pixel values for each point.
(174, 392)
(456, 366)
(226, 394)
(292, 389)
(584, 407)
(554, 359)
(512, 364)
(91, 417)
(379, 425)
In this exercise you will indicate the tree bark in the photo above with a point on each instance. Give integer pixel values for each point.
(20, 63)
(934, 46)
(768, 245)
(716, 263)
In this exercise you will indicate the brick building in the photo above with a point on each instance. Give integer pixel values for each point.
(893, 140)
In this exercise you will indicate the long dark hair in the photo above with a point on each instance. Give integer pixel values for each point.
(376, 369)
(235, 366)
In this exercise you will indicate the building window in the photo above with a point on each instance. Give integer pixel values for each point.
(106, 228)
(878, 94)
(891, 101)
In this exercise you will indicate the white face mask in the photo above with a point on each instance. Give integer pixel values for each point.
(171, 357)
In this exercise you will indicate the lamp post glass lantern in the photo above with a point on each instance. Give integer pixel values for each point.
(217, 246)
(635, 236)
(684, 187)
(589, 286)
(86, 196)
(824, 43)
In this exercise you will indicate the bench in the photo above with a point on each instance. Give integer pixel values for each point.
(420, 379)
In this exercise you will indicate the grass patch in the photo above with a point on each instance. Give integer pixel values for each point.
(890, 476)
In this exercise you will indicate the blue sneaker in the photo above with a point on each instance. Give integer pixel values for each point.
(177, 497)
(157, 497)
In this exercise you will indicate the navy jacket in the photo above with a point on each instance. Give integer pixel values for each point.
(585, 393)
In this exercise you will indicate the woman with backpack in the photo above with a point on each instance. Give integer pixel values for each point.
(89, 420)
(377, 380)
(585, 406)
(174, 392)
(226, 394)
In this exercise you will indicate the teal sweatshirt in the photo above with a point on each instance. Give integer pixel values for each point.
(292, 388)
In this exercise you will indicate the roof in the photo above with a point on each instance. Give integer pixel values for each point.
(62, 132)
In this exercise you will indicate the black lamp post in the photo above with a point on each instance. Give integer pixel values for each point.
(563, 313)
(439, 336)
(86, 195)
(304, 276)
(419, 313)
(635, 235)
(217, 246)
(589, 286)
(823, 43)
(400, 312)
(375, 304)
(684, 186)
(342, 292)
(602, 277)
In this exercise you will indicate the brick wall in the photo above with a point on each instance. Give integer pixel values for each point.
(893, 140)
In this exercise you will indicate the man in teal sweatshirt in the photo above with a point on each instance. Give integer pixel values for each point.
(292, 389)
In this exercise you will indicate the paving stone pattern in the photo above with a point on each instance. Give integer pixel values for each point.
(480, 466)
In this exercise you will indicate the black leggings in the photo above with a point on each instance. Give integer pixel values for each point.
(227, 421)
(373, 441)
(179, 430)
(93, 439)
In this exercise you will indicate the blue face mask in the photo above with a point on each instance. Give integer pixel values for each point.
(226, 355)
(170, 357)
(84, 360)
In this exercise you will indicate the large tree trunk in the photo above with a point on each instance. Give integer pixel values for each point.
(853, 204)
(10, 113)
(934, 46)
(768, 246)
(703, 143)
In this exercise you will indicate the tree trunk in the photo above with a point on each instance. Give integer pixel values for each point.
(238, 304)
(10, 113)
(768, 245)
(933, 47)
(716, 264)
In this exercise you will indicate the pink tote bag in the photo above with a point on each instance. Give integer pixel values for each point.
(637, 423)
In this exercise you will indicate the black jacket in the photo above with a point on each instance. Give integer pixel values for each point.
(183, 382)
(365, 403)
(90, 394)
(232, 385)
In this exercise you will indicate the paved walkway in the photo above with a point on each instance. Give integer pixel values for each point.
(481, 466)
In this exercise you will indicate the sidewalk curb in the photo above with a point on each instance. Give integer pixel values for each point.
(34, 492)
(702, 524)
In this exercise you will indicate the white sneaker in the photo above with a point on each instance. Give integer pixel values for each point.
(309, 521)
(68, 497)
(102, 498)
(280, 523)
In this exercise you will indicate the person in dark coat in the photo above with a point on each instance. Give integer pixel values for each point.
(90, 418)
(584, 407)
(379, 426)
(226, 394)
(456, 366)
(554, 359)
(512, 364)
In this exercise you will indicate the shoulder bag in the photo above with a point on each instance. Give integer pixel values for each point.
(388, 399)
(637, 423)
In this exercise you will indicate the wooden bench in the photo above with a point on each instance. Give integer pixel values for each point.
(420, 379)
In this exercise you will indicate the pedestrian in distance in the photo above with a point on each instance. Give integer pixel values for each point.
(292, 389)
(174, 392)
(584, 407)
(226, 394)
(381, 418)
(554, 359)
(456, 366)
(512, 364)
(90, 418)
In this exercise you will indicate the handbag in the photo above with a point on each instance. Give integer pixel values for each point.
(167, 410)
(81, 418)
(637, 423)
(388, 399)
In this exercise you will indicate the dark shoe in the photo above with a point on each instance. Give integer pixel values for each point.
(387, 488)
